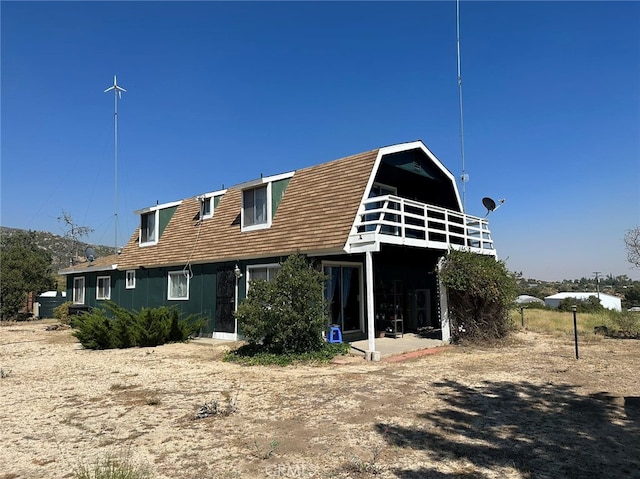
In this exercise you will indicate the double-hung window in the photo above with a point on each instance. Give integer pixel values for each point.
(131, 279)
(265, 272)
(254, 208)
(103, 287)
(78, 290)
(178, 288)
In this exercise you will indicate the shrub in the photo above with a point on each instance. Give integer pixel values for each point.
(588, 305)
(287, 314)
(254, 355)
(480, 292)
(112, 467)
(61, 313)
(116, 327)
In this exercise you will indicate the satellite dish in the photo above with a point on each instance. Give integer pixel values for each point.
(490, 204)
(90, 254)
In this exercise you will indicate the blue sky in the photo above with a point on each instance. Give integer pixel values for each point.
(218, 93)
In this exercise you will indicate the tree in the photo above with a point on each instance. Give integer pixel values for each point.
(73, 232)
(632, 245)
(24, 268)
(480, 291)
(287, 314)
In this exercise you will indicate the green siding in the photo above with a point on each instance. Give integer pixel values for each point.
(164, 218)
(277, 192)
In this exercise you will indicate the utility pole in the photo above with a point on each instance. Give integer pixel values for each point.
(597, 273)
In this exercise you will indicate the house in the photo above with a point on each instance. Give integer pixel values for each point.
(377, 223)
(606, 300)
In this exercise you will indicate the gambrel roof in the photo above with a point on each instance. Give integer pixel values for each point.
(315, 215)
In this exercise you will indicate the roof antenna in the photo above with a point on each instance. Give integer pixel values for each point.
(117, 93)
(464, 177)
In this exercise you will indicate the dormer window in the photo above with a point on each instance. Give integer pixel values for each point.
(207, 211)
(255, 213)
(148, 228)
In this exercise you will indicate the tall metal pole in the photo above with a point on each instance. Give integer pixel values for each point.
(464, 177)
(117, 91)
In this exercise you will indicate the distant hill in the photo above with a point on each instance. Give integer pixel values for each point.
(62, 249)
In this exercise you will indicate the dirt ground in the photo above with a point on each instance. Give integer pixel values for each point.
(526, 410)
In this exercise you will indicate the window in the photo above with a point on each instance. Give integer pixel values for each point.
(207, 211)
(78, 290)
(178, 286)
(131, 279)
(103, 287)
(254, 208)
(148, 228)
(265, 272)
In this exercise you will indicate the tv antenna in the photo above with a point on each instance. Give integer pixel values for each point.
(464, 177)
(117, 93)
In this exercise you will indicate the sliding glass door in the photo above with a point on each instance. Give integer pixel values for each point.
(343, 292)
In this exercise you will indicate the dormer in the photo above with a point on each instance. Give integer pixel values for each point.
(153, 221)
(209, 203)
(260, 201)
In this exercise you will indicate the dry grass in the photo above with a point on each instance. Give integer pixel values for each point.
(526, 409)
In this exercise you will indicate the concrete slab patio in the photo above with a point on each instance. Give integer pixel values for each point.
(388, 347)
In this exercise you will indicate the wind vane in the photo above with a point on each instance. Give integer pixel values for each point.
(117, 91)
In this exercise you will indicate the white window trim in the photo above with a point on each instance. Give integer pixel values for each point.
(171, 273)
(108, 295)
(75, 300)
(156, 224)
(212, 197)
(260, 226)
(131, 285)
(259, 266)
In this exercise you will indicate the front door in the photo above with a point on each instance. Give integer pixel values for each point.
(225, 293)
(342, 291)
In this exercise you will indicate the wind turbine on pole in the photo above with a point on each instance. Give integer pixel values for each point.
(117, 93)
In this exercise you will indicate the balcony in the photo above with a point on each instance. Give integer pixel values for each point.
(398, 221)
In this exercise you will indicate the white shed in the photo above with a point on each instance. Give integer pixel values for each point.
(606, 300)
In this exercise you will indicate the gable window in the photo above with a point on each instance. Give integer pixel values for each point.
(103, 287)
(148, 228)
(131, 279)
(254, 208)
(78, 290)
(178, 288)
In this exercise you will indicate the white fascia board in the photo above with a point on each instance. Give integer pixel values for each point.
(90, 269)
(387, 150)
(212, 194)
(264, 180)
(421, 146)
(157, 207)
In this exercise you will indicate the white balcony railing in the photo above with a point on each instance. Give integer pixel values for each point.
(393, 220)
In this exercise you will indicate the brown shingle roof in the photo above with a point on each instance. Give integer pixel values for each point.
(104, 263)
(316, 214)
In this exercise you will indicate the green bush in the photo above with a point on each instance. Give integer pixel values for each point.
(61, 313)
(480, 291)
(253, 355)
(288, 314)
(116, 327)
(588, 305)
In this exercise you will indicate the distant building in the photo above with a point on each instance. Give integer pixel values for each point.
(606, 300)
(525, 298)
